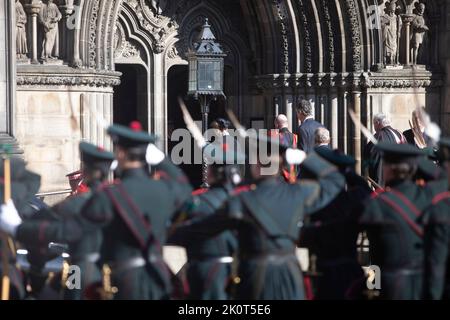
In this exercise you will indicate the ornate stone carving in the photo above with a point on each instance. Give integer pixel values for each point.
(329, 29)
(355, 33)
(111, 34)
(172, 53)
(354, 81)
(104, 79)
(127, 51)
(307, 37)
(92, 34)
(281, 17)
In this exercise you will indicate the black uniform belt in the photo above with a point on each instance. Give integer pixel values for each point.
(401, 272)
(336, 262)
(133, 263)
(91, 257)
(269, 256)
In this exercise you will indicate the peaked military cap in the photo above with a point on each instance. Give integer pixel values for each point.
(223, 154)
(428, 170)
(399, 153)
(92, 154)
(130, 137)
(76, 175)
(24, 184)
(336, 157)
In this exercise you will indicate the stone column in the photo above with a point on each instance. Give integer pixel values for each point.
(66, 10)
(289, 102)
(356, 103)
(33, 9)
(407, 19)
(334, 117)
(8, 73)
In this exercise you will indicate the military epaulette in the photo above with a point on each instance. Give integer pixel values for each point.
(199, 192)
(106, 185)
(441, 197)
(375, 194)
(242, 189)
(160, 175)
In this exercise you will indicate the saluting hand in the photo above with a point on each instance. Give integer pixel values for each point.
(154, 156)
(9, 218)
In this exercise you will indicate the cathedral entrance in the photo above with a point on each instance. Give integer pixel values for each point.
(131, 96)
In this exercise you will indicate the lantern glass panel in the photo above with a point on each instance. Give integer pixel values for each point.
(209, 75)
(193, 75)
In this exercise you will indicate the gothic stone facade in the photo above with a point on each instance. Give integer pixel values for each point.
(339, 54)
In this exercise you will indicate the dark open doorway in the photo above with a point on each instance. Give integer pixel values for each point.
(177, 83)
(131, 96)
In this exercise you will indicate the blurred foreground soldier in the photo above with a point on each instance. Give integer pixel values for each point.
(62, 223)
(437, 237)
(393, 222)
(372, 156)
(134, 213)
(332, 233)
(267, 221)
(24, 185)
(210, 258)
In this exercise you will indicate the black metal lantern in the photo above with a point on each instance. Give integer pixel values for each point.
(206, 72)
(206, 65)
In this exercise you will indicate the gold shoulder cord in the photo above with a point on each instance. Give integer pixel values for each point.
(107, 291)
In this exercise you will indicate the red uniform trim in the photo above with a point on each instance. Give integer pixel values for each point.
(441, 197)
(408, 203)
(404, 215)
(241, 189)
(42, 227)
(199, 192)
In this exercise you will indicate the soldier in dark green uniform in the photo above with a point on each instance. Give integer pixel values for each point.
(437, 238)
(24, 185)
(267, 220)
(392, 219)
(134, 214)
(57, 224)
(331, 233)
(209, 259)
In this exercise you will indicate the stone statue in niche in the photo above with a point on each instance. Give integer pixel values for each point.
(391, 30)
(49, 18)
(418, 28)
(158, 6)
(21, 33)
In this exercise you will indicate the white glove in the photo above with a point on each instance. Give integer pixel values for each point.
(295, 156)
(9, 218)
(154, 156)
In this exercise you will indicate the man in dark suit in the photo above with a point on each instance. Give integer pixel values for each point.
(308, 126)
